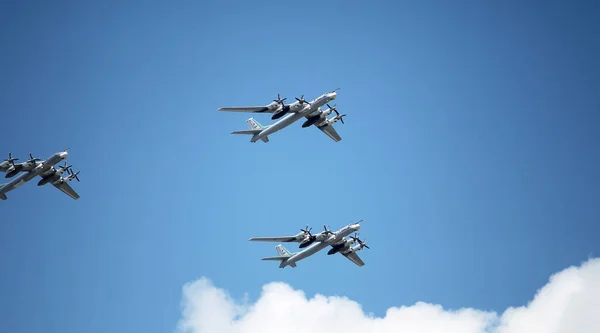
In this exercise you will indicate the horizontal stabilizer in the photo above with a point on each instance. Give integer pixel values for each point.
(275, 258)
(250, 132)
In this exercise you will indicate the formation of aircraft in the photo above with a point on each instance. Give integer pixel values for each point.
(336, 239)
(37, 167)
(300, 108)
(340, 241)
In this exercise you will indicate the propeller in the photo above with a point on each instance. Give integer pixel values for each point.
(10, 159)
(362, 243)
(279, 99)
(326, 230)
(74, 175)
(33, 159)
(301, 100)
(307, 230)
(66, 168)
(338, 116)
(334, 108)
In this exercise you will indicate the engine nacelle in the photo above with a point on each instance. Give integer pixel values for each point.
(278, 114)
(62, 180)
(46, 180)
(306, 242)
(312, 120)
(333, 120)
(322, 237)
(326, 113)
(13, 170)
(342, 247)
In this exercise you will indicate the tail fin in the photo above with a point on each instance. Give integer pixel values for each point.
(254, 125)
(282, 251)
(282, 255)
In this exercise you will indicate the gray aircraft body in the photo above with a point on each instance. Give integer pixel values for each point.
(36, 167)
(295, 111)
(337, 240)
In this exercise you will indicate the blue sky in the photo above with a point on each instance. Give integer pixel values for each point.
(470, 149)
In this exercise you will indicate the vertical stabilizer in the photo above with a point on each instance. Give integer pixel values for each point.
(282, 251)
(254, 125)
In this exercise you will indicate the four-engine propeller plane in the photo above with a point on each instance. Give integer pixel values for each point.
(337, 240)
(36, 167)
(298, 109)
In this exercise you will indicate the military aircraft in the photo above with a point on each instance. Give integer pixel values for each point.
(36, 167)
(337, 240)
(301, 108)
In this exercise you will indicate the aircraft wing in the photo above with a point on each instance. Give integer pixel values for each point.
(253, 109)
(331, 132)
(66, 188)
(275, 239)
(354, 258)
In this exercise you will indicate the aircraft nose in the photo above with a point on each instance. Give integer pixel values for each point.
(63, 155)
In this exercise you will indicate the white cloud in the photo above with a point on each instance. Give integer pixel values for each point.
(568, 303)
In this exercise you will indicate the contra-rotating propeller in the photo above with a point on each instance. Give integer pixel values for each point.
(279, 100)
(32, 159)
(10, 159)
(301, 100)
(326, 231)
(341, 118)
(66, 168)
(307, 230)
(362, 243)
(73, 175)
(332, 109)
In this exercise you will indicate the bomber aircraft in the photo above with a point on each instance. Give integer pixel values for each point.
(36, 167)
(337, 240)
(301, 108)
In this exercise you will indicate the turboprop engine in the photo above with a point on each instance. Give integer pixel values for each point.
(56, 175)
(280, 111)
(308, 237)
(52, 178)
(319, 117)
(307, 241)
(13, 170)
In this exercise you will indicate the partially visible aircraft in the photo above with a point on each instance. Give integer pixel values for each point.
(337, 240)
(36, 167)
(301, 108)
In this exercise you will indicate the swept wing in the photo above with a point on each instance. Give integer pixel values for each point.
(354, 258)
(66, 188)
(253, 109)
(276, 239)
(331, 132)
